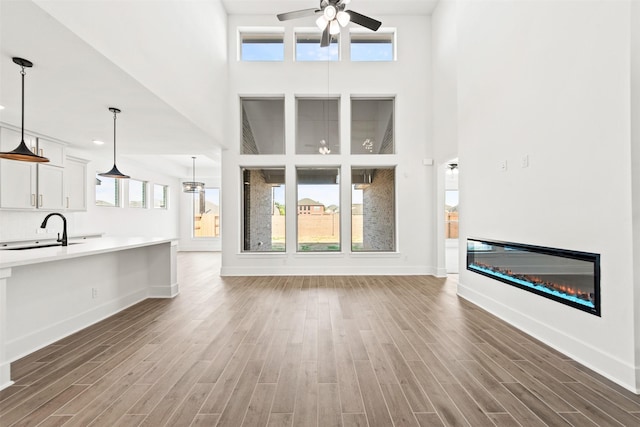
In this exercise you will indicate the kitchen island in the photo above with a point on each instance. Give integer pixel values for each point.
(49, 293)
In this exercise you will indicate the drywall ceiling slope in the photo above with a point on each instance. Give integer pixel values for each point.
(71, 86)
(381, 7)
(176, 49)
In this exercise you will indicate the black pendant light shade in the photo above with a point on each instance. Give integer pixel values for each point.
(114, 172)
(193, 186)
(22, 152)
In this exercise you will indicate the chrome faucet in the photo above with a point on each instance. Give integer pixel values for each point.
(64, 227)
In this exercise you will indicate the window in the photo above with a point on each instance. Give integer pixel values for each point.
(373, 209)
(160, 196)
(377, 46)
(372, 126)
(263, 210)
(137, 194)
(262, 126)
(318, 209)
(261, 46)
(318, 126)
(308, 48)
(206, 213)
(451, 214)
(107, 191)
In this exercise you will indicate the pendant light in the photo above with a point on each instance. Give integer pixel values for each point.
(114, 172)
(193, 186)
(22, 152)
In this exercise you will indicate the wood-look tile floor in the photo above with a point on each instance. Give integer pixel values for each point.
(307, 351)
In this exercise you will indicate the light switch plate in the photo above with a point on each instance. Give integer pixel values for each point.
(502, 165)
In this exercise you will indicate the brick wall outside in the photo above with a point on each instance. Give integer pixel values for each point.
(260, 212)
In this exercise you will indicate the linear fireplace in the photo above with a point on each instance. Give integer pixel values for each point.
(569, 277)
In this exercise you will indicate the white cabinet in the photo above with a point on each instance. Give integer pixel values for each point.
(50, 187)
(28, 186)
(54, 151)
(17, 179)
(75, 181)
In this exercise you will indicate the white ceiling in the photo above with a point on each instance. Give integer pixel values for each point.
(379, 7)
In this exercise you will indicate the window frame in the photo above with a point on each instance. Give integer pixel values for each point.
(262, 33)
(118, 192)
(376, 37)
(145, 195)
(284, 127)
(335, 146)
(392, 99)
(338, 168)
(165, 196)
(313, 32)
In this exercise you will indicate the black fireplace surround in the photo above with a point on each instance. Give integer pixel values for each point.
(569, 277)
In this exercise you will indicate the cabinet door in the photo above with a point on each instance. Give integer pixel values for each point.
(54, 151)
(50, 187)
(75, 180)
(17, 179)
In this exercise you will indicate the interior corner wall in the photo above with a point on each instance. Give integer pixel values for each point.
(635, 167)
(543, 89)
(445, 111)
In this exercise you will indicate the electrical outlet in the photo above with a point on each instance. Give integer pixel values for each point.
(502, 165)
(524, 161)
(94, 292)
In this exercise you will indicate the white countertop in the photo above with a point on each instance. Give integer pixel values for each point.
(16, 258)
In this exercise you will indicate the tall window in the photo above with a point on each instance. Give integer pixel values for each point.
(262, 126)
(318, 209)
(308, 48)
(107, 191)
(373, 209)
(160, 196)
(137, 193)
(263, 210)
(206, 213)
(372, 126)
(261, 46)
(451, 214)
(318, 126)
(367, 46)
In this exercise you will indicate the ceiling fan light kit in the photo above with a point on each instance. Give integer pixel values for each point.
(332, 16)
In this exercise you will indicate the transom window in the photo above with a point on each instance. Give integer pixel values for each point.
(261, 46)
(370, 46)
(308, 48)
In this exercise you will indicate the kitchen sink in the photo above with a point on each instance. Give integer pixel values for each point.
(48, 245)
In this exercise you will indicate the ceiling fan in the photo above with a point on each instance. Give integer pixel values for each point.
(332, 16)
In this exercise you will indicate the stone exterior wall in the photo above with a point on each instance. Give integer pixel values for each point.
(258, 212)
(378, 202)
(248, 140)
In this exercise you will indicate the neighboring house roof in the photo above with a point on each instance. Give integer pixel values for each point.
(308, 202)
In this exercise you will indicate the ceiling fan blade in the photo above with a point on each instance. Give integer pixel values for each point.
(365, 21)
(297, 14)
(326, 37)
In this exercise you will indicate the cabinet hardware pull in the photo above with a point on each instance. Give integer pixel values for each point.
(33, 199)
(42, 152)
(33, 149)
(41, 200)
(67, 202)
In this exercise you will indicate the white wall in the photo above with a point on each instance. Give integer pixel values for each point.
(122, 221)
(635, 165)
(409, 79)
(445, 115)
(551, 81)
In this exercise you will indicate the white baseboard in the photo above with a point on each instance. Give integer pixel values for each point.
(593, 358)
(163, 291)
(38, 339)
(325, 271)
(5, 375)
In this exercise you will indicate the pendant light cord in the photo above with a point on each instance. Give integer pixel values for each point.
(22, 72)
(114, 137)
